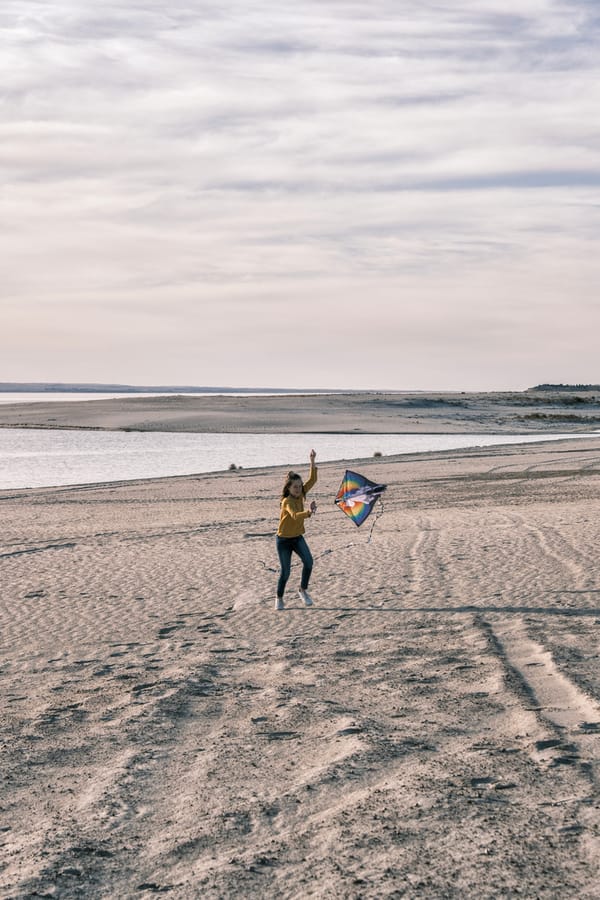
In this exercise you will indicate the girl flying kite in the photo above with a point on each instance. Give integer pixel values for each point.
(290, 534)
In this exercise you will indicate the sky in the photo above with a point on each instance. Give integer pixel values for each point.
(393, 195)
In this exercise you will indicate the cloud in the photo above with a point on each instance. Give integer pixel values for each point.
(198, 153)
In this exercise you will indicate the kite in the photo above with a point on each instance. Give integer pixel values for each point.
(357, 496)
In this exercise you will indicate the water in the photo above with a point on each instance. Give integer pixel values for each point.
(31, 457)
(52, 396)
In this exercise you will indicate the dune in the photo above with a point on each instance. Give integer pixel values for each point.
(361, 411)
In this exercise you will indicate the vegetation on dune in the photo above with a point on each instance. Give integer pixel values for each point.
(562, 417)
(565, 387)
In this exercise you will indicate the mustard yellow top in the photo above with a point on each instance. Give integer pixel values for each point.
(293, 514)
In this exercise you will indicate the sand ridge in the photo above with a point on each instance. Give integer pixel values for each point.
(429, 729)
(356, 412)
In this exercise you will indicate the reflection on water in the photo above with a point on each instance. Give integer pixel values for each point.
(32, 457)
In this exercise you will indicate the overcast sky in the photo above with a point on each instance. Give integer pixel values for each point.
(396, 194)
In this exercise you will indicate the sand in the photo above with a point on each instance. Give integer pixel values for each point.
(360, 412)
(430, 729)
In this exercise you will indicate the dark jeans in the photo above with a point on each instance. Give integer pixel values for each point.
(285, 548)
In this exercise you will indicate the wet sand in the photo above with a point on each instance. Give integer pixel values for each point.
(430, 729)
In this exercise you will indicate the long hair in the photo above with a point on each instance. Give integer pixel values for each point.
(291, 476)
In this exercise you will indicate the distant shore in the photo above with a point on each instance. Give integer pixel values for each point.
(354, 412)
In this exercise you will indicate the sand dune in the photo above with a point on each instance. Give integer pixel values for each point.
(355, 412)
(431, 728)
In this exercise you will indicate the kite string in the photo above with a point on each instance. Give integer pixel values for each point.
(376, 519)
(327, 552)
(331, 550)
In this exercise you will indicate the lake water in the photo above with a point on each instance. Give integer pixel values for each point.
(51, 396)
(31, 457)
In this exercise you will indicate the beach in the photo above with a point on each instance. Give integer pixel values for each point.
(430, 728)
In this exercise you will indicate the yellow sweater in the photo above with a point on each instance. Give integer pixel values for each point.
(293, 514)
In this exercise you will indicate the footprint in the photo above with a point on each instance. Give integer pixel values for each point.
(154, 887)
(485, 781)
(91, 850)
(209, 629)
(547, 745)
(280, 735)
(565, 761)
(169, 629)
(138, 688)
(352, 729)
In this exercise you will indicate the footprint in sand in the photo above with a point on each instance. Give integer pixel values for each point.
(105, 670)
(209, 628)
(166, 630)
(280, 735)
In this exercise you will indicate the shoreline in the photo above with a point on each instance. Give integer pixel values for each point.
(546, 434)
(413, 457)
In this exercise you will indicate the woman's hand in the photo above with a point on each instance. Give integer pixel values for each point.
(313, 454)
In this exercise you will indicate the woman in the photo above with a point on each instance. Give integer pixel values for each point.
(290, 534)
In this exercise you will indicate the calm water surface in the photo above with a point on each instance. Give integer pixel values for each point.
(51, 396)
(31, 457)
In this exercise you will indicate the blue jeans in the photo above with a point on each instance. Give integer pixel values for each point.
(285, 548)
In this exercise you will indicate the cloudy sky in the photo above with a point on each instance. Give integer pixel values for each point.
(396, 194)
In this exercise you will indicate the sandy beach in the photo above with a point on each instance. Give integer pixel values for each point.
(369, 412)
(431, 728)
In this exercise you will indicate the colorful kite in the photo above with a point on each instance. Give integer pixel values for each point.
(357, 496)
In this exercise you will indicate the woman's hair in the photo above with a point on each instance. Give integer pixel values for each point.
(291, 476)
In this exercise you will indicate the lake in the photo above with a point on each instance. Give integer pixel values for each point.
(32, 457)
(52, 396)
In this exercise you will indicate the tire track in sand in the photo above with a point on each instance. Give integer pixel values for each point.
(424, 567)
(564, 723)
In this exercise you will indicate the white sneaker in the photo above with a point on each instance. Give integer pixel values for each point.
(279, 603)
(304, 595)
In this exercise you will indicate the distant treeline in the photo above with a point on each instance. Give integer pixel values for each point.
(566, 387)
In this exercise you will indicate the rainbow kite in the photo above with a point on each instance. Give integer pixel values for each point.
(357, 496)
